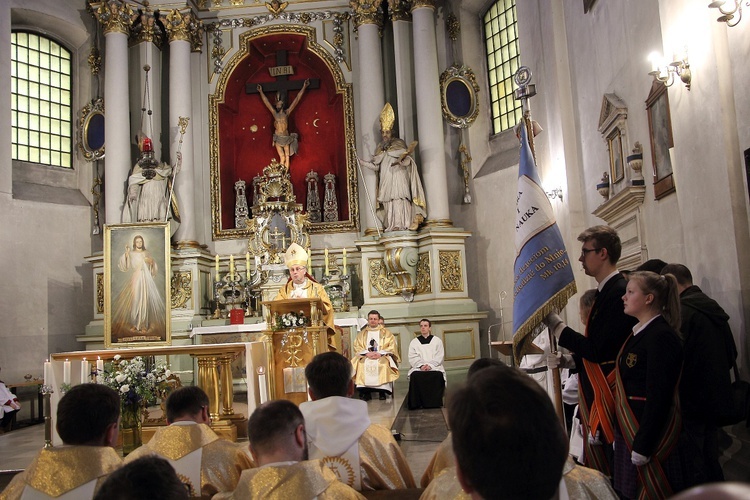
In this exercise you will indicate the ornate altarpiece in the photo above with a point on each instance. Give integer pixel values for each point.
(241, 128)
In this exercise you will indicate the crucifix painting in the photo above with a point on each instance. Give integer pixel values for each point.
(285, 72)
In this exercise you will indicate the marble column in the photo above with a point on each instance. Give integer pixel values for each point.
(406, 114)
(368, 19)
(179, 25)
(116, 20)
(429, 116)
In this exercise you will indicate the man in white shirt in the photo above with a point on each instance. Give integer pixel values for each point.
(427, 374)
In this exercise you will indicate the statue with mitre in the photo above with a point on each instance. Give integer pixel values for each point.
(301, 285)
(150, 196)
(400, 195)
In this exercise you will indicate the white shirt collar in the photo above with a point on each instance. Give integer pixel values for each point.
(604, 281)
(638, 328)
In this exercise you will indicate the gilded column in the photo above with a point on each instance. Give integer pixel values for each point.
(429, 117)
(398, 11)
(181, 26)
(208, 380)
(227, 386)
(116, 19)
(368, 20)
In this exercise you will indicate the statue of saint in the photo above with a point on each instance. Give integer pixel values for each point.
(149, 188)
(400, 196)
(286, 143)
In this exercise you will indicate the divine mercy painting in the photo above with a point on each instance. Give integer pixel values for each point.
(137, 288)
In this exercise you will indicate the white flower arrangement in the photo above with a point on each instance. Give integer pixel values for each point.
(291, 320)
(131, 380)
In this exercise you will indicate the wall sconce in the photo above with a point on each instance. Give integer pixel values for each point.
(664, 72)
(728, 15)
(555, 193)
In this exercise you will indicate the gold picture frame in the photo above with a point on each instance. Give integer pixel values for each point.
(458, 96)
(137, 272)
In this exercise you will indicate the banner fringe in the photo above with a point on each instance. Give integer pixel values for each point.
(526, 333)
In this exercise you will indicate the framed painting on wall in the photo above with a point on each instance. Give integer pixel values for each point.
(137, 292)
(614, 144)
(660, 133)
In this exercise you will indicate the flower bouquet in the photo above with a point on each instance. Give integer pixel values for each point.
(291, 320)
(138, 388)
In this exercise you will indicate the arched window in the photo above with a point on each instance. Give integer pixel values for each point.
(41, 100)
(503, 59)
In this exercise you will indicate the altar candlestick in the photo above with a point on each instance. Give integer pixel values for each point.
(47, 372)
(217, 264)
(247, 265)
(66, 372)
(344, 261)
(84, 371)
(326, 257)
(99, 369)
(262, 385)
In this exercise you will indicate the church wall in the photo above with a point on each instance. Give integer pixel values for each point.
(46, 298)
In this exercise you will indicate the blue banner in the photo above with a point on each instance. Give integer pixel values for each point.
(543, 278)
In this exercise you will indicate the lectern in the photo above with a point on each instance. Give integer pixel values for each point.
(291, 346)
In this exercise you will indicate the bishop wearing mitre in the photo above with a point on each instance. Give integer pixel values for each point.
(303, 286)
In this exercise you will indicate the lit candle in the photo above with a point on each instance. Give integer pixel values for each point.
(262, 384)
(99, 369)
(84, 371)
(326, 258)
(344, 263)
(247, 265)
(231, 265)
(309, 263)
(217, 264)
(47, 372)
(66, 372)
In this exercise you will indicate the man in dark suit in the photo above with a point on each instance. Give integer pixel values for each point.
(705, 385)
(595, 351)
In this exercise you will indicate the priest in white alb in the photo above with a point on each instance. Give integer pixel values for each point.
(427, 374)
(376, 359)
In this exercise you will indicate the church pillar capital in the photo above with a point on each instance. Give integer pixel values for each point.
(367, 12)
(145, 29)
(183, 25)
(420, 4)
(115, 17)
(399, 10)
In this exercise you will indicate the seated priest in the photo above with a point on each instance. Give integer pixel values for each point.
(276, 431)
(87, 422)
(376, 359)
(303, 286)
(427, 374)
(206, 463)
(339, 431)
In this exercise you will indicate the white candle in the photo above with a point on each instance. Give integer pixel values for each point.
(217, 264)
(247, 265)
(84, 371)
(326, 258)
(47, 373)
(66, 372)
(309, 264)
(262, 388)
(344, 263)
(231, 265)
(99, 369)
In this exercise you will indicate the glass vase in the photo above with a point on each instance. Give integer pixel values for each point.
(130, 427)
